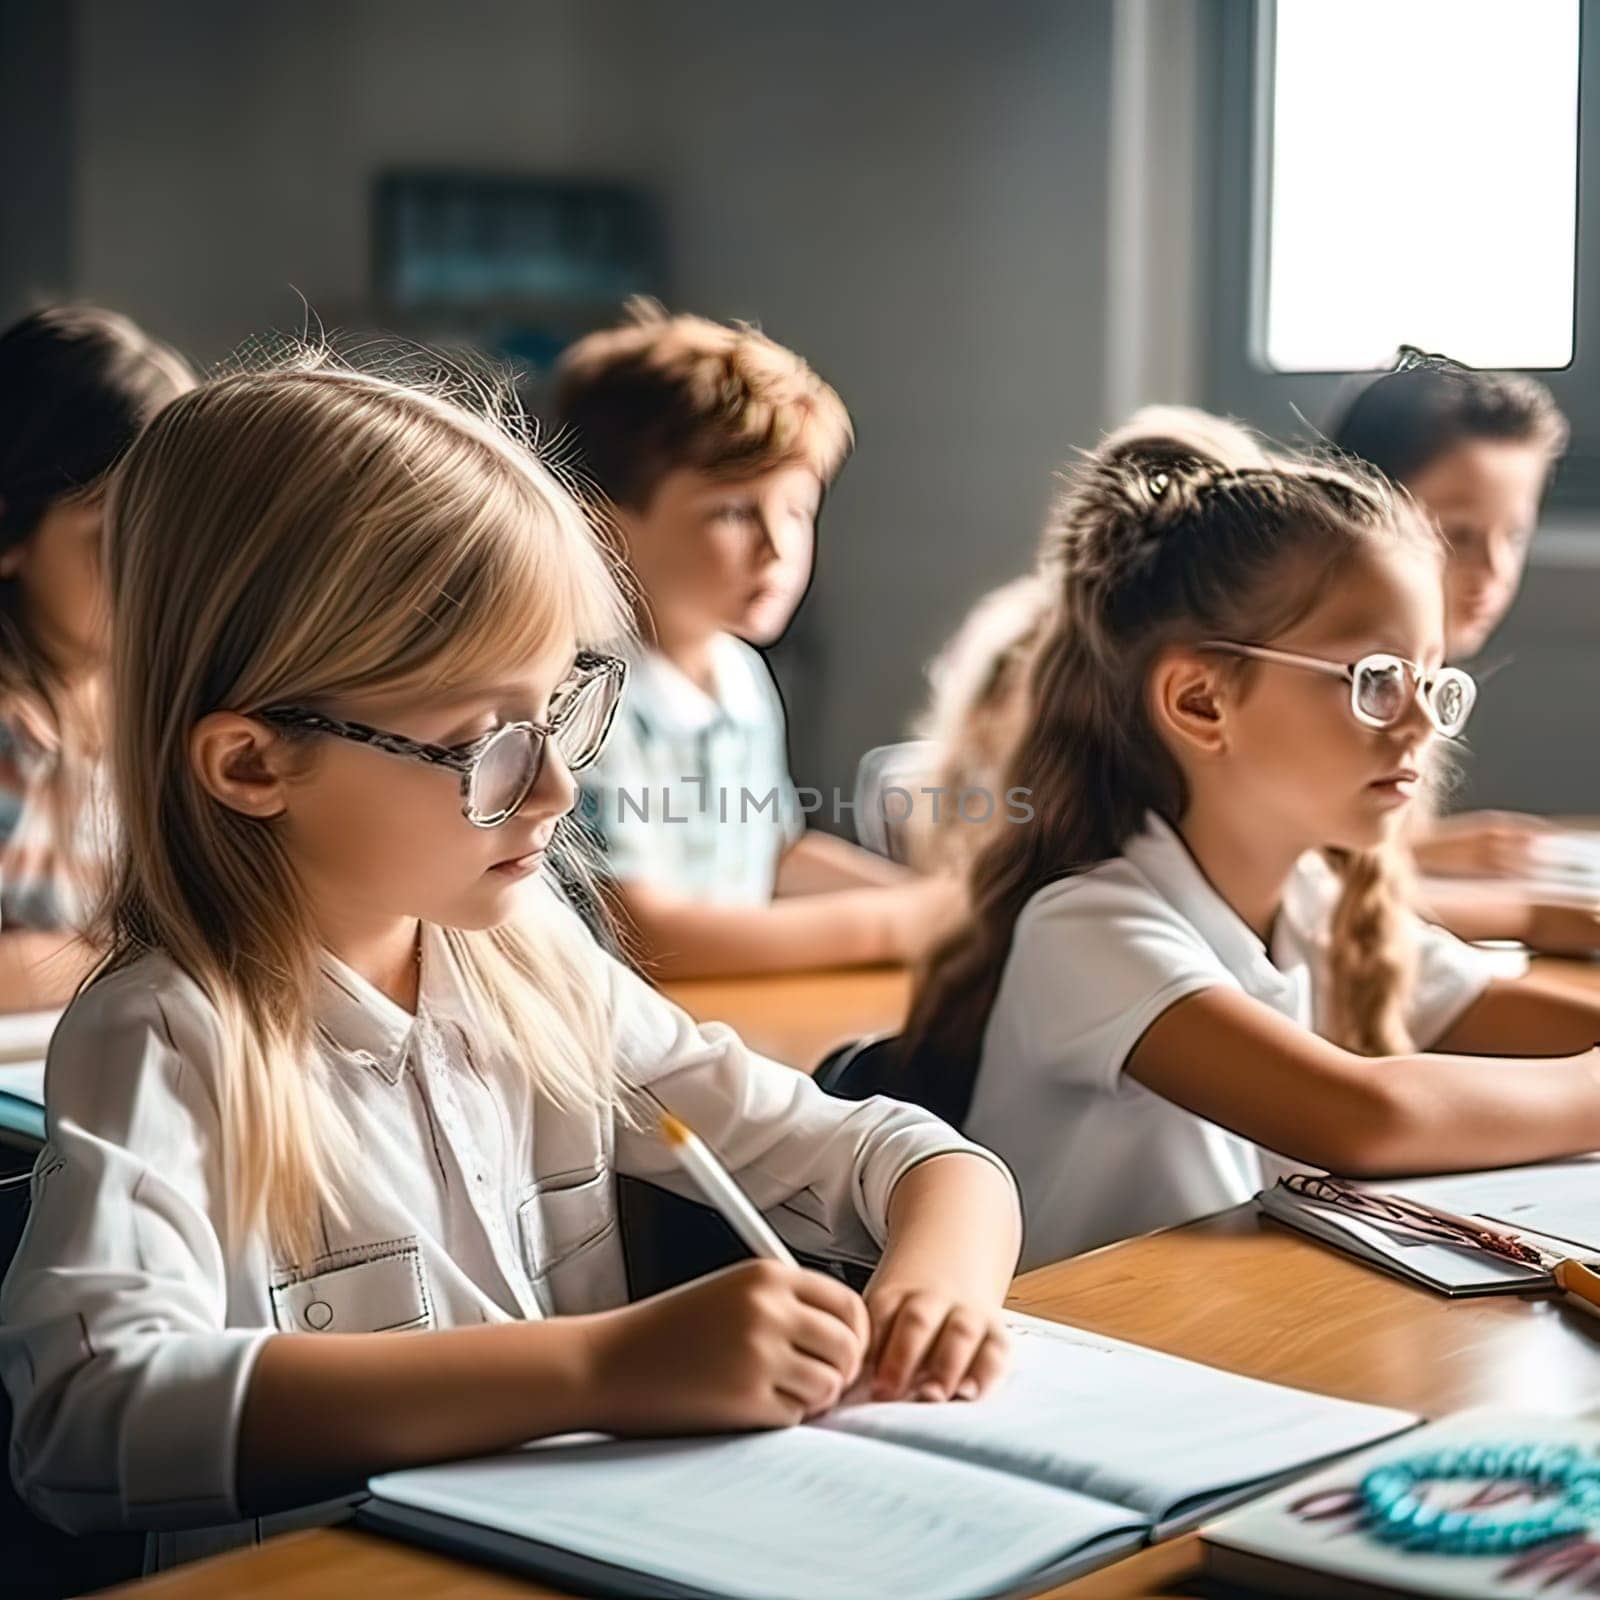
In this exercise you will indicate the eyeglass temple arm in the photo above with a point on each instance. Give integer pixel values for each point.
(1288, 658)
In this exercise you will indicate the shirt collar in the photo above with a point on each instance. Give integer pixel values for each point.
(664, 696)
(1162, 856)
(363, 1024)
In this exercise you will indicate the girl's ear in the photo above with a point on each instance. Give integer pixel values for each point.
(1188, 702)
(241, 763)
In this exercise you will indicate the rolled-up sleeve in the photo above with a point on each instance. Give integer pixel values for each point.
(822, 1169)
(126, 1382)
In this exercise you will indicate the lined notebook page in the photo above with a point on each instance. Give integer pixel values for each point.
(806, 1513)
(1130, 1425)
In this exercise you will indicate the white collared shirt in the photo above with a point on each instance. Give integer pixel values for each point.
(692, 792)
(1096, 958)
(133, 1313)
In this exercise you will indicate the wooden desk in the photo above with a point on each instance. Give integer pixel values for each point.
(1233, 1290)
(799, 1017)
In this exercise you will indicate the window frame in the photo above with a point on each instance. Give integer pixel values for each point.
(1295, 404)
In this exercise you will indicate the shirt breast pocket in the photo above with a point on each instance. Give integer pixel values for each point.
(378, 1289)
(563, 1216)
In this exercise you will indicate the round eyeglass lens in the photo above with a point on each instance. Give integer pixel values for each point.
(584, 720)
(504, 774)
(1450, 703)
(1381, 689)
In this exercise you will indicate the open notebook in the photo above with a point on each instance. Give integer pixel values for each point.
(1555, 1205)
(1088, 1448)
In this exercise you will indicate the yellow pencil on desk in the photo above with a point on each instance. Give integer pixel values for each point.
(721, 1192)
(1580, 1284)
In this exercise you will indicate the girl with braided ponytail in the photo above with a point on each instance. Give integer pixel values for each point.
(1199, 948)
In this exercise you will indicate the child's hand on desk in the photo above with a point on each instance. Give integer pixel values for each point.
(919, 914)
(1482, 844)
(933, 1341)
(759, 1345)
(1564, 930)
(935, 1300)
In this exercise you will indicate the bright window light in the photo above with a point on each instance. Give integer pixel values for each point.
(1421, 181)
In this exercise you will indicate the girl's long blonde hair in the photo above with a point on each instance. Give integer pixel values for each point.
(288, 536)
(1180, 528)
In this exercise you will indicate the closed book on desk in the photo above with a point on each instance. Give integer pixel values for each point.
(1089, 1448)
(1313, 1540)
(1549, 1206)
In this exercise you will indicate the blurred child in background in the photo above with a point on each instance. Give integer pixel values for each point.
(715, 446)
(1477, 451)
(76, 386)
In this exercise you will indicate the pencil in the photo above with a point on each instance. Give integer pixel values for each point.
(720, 1191)
(1580, 1285)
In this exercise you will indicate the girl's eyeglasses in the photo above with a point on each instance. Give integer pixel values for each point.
(1382, 687)
(499, 770)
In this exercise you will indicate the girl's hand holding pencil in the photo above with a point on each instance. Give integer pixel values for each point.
(764, 1344)
(930, 1327)
(761, 1345)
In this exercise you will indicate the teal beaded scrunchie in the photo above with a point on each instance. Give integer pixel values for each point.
(1401, 1516)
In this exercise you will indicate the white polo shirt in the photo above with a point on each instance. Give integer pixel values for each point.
(1095, 959)
(692, 792)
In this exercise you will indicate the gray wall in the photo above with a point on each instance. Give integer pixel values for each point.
(915, 197)
(37, 132)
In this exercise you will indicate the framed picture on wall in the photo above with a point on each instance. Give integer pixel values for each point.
(522, 264)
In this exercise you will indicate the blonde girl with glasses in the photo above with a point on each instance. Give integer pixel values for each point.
(334, 1133)
(1199, 950)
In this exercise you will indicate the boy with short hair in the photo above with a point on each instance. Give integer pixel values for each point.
(715, 446)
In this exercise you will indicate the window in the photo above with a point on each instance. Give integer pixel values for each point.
(1418, 161)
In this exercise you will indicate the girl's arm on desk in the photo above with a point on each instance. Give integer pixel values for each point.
(1538, 1015)
(1479, 910)
(955, 1234)
(818, 862)
(681, 938)
(1238, 1063)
